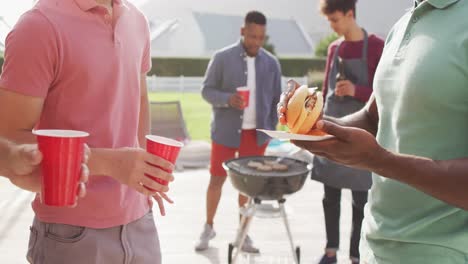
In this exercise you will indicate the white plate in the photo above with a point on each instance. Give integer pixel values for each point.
(288, 136)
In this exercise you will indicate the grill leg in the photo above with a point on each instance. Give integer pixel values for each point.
(246, 220)
(286, 224)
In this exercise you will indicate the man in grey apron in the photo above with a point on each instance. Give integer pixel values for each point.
(334, 176)
(349, 65)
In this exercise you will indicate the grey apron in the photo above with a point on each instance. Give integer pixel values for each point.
(324, 170)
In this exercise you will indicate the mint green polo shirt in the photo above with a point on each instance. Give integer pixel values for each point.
(421, 88)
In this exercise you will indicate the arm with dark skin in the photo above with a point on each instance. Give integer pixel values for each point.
(355, 145)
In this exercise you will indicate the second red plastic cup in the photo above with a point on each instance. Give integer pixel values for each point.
(165, 148)
(244, 92)
(62, 152)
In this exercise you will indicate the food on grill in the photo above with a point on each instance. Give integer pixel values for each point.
(276, 165)
(265, 168)
(303, 110)
(267, 165)
(279, 167)
(254, 164)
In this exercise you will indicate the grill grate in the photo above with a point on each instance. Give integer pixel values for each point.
(295, 167)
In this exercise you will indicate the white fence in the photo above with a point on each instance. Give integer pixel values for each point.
(193, 84)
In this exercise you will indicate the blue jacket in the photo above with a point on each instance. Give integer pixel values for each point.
(226, 71)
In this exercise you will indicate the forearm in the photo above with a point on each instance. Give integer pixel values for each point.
(100, 161)
(216, 98)
(23, 136)
(144, 124)
(367, 118)
(359, 119)
(445, 180)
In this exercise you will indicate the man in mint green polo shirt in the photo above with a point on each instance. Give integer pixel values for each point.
(417, 209)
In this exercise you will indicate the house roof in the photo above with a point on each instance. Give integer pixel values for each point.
(199, 34)
(285, 34)
(201, 27)
(295, 27)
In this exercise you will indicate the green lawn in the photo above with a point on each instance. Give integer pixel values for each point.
(196, 111)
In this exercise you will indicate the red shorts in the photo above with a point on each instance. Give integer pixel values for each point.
(248, 147)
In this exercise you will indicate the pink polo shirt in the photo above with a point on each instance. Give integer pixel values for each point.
(87, 66)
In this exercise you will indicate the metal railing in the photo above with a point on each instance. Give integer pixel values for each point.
(185, 84)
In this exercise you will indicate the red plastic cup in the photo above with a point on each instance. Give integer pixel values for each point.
(165, 148)
(244, 92)
(62, 152)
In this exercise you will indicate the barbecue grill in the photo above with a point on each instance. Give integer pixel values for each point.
(272, 185)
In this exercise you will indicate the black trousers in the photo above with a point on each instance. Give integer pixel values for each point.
(331, 208)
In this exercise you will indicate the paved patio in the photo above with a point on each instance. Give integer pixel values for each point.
(184, 220)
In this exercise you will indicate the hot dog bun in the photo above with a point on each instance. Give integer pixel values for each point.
(303, 110)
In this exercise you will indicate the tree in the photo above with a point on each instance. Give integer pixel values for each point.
(322, 47)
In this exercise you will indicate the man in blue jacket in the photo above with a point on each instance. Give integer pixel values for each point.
(234, 123)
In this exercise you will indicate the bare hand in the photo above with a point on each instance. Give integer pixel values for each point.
(285, 96)
(23, 160)
(353, 147)
(236, 101)
(84, 176)
(25, 171)
(132, 165)
(159, 199)
(345, 88)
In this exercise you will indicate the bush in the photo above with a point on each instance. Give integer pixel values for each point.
(197, 66)
(301, 67)
(316, 79)
(172, 67)
(322, 47)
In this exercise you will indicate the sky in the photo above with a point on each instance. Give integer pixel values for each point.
(10, 10)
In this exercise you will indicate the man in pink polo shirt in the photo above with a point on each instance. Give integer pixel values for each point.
(81, 64)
